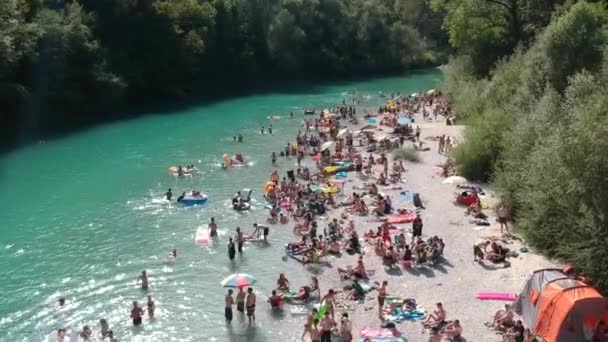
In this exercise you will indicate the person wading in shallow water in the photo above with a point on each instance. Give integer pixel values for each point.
(239, 240)
(143, 278)
(212, 228)
(228, 309)
(251, 305)
(231, 250)
(240, 301)
(136, 314)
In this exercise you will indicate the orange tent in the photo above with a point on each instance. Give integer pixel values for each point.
(560, 308)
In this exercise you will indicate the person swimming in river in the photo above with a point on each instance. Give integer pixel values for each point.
(168, 195)
(173, 254)
(240, 138)
(262, 130)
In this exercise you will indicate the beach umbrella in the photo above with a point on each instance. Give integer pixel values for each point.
(454, 180)
(404, 121)
(431, 92)
(327, 145)
(342, 132)
(238, 280)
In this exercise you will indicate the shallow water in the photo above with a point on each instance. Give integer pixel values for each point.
(82, 216)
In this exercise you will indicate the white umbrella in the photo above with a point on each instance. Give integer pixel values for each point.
(327, 145)
(342, 132)
(454, 180)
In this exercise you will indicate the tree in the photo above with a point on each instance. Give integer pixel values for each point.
(490, 29)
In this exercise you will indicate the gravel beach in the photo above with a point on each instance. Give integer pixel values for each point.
(457, 279)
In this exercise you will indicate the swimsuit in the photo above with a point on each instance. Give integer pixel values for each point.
(228, 314)
(137, 321)
(240, 306)
(250, 310)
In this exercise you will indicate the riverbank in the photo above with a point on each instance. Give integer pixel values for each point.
(457, 279)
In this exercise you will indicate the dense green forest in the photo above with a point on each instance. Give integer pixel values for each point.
(64, 63)
(531, 84)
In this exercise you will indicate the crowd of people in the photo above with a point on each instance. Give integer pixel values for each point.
(306, 196)
(313, 193)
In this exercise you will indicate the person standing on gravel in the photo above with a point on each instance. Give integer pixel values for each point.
(503, 216)
(416, 228)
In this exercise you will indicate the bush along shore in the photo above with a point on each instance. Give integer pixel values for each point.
(537, 126)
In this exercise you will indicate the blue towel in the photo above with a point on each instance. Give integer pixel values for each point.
(407, 196)
(404, 121)
(371, 120)
(341, 174)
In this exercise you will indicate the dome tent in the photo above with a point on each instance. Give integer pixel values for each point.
(560, 308)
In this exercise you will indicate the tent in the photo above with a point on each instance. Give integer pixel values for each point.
(560, 308)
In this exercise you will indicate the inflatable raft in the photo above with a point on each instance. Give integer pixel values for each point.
(241, 200)
(202, 237)
(191, 200)
(173, 170)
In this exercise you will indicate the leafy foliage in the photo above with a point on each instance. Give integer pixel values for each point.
(57, 57)
(537, 128)
(406, 153)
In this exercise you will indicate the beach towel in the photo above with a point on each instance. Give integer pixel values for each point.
(401, 218)
(372, 120)
(380, 335)
(406, 196)
(408, 316)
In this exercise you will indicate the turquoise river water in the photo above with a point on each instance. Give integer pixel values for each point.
(82, 217)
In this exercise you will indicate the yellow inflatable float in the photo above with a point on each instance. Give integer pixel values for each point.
(331, 169)
(268, 186)
(331, 190)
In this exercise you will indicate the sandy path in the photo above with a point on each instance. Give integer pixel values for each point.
(454, 282)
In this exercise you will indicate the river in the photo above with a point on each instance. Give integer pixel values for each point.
(81, 218)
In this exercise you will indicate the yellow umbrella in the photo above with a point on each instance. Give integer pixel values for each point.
(431, 92)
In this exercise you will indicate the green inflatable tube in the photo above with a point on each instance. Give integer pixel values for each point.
(321, 312)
